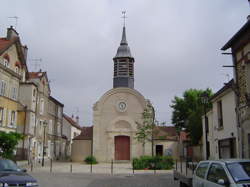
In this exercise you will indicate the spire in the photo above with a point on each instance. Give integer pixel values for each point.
(124, 40)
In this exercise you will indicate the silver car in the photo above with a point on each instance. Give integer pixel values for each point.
(229, 173)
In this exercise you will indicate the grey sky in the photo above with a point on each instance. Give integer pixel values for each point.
(176, 45)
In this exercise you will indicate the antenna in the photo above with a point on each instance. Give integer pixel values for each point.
(36, 63)
(124, 17)
(16, 19)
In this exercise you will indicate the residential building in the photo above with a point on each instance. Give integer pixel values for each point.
(13, 71)
(222, 124)
(240, 50)
(56, 142)
(39, 143)
(71, 129)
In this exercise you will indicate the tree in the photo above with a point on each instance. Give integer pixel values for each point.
(145, 129)
(8, 143)
(188, 111)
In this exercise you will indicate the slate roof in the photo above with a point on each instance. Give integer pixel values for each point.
(86, 134)
(72, 122)
(243, 30)
(123, 50)
(165, 133)
(223, 89)
(36, 75)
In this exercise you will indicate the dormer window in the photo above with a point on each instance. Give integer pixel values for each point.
(17, 69)
(6, 63)
(6, 60)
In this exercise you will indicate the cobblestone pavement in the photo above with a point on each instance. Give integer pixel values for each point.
(103, 180)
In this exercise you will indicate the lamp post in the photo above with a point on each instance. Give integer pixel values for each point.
(44, 127)
(204, 100)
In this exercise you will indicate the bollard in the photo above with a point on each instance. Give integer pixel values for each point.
(50, 165)
(181, 165)
(71, 169)
(112, 166)
(91, 167)
(31, 166)
(192, 166)
(186, 166)
(155, 167)
(133, 167)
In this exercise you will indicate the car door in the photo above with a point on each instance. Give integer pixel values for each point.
(199, 175)
(215, 173)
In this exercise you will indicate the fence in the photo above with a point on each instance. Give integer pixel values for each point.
(111, 168)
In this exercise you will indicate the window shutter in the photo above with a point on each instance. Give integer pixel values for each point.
(9, 118)
(15, 122)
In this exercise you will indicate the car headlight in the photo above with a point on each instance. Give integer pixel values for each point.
(31, 184)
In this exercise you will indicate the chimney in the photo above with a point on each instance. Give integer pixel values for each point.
(72, 116)
(248, 18)
(77, 120)
(11, 33)
(25, 51)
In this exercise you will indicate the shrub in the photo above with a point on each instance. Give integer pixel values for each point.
(155, 162)
(90, 159)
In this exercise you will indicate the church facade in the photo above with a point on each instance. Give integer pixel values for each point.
(116, 116)
(118, 111)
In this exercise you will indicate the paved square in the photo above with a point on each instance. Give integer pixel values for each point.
(103, 180)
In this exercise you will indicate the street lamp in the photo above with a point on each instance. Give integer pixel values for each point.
(44, 127)
(204, 100)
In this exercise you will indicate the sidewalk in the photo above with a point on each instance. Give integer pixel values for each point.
(102, 168)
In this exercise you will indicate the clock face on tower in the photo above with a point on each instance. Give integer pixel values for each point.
(122, 106)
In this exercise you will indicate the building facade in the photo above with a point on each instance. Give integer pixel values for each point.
(222, 124)
(240, 50)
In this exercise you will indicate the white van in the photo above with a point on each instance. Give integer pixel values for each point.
(229, 173)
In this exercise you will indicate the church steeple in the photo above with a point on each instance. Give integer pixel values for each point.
(123, 64)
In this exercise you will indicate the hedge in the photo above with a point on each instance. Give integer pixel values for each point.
(153, 162)
(90, 159)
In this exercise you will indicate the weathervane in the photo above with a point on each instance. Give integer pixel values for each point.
(124, 17)
(16, 18)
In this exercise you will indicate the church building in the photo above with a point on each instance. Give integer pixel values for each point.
(115, 118)
(118, 111)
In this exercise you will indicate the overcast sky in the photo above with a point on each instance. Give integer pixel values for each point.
(176, 45)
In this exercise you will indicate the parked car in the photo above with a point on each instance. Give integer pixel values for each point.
(229, 173)
(12, 175)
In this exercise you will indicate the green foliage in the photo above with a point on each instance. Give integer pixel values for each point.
(90, 159)
(8, 142)
(153, 162)
(188, 111)
(144, 130)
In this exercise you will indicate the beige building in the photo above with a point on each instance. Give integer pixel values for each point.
(13, 71)
(70, 130)
(240, 49)
(222, 125)
(116, 116)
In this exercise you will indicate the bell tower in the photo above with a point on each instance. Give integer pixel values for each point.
(123, 63)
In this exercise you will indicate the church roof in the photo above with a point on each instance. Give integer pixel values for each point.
(123, 50)
(165, 133)
(86, 134)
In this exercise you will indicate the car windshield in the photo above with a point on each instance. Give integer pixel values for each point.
(8, 165)
(240, 171)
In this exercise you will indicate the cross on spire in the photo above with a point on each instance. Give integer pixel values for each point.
(124, 17)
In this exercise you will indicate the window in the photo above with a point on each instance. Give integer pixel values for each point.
(6, 62)
(1, 116)
(17, 69)
(14, 93)
(201, 170)
(12, 118)
(217, 172)
(3, 88)
(219, 113)
(50, 126)
(34, 92)
(58, 129)
(41, 106)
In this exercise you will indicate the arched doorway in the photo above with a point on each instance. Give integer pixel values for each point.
(122, 148)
